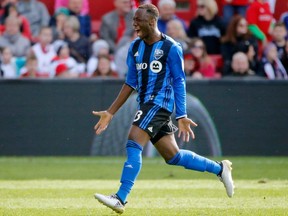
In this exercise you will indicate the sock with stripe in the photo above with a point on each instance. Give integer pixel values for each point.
(192, 161)
(131, 169)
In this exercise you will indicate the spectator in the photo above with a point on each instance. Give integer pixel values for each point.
(44, 50)
(233, 7)
(99, 47)
(11, 10)
(79, 44)
(104, 68)
(121, 55)
(279, 38)
(32, 70)
(8, 65)
(57, 23)
(167, 9)
(249, 50)
(272, 66)
(284, 17)
(191, 66)
(64, 3)
(63, 65)
(284, 59)
(176, 30)
(240, 67)
(117, 23)
(260, 20)
(207, 25)
(207, 66)
(137, 3)
(3, 5)
(75, 7)
(36, 13)
(237, 36)
(13, 39)
(272, 4)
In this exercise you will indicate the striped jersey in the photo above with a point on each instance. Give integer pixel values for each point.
(156, 72)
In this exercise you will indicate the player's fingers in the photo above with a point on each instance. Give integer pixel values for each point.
(100, 130)
(96, 113)
(193, 123)
(192, 134)
(179, 133)
(96, 126)
(187, 137)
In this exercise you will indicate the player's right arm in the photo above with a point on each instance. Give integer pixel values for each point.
(127, 89)
(107, 115)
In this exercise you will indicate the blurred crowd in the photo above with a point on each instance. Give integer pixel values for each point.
(245, 41)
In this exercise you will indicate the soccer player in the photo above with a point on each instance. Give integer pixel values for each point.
(155, 63)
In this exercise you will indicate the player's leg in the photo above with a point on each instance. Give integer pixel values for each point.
(168, 149)
(147, 122)
(136, 141)
(140, 133)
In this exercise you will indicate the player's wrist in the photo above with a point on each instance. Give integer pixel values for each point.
(109, 113)
(181, 117)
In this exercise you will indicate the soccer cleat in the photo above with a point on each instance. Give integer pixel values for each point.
(226, 177)
(112, 202)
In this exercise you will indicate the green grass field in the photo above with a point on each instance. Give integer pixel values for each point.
(60, 186)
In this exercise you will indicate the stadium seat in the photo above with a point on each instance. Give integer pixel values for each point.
(218, 61)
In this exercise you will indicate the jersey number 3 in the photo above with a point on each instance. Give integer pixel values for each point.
(138, 115)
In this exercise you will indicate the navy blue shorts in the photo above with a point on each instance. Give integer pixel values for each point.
(155, 121)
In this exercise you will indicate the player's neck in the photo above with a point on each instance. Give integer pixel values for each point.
(154, 37)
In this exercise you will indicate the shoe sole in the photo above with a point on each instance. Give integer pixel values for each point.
(119, 211)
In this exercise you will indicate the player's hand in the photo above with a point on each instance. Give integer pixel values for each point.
(185, 130)
(105, 118)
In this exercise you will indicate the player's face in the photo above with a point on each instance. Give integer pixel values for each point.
(141, 24)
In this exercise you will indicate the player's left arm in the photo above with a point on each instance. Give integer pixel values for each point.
(176, 65)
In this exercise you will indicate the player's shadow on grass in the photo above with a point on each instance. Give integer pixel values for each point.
(112, 142)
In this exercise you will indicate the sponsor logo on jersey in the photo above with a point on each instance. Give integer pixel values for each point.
(155, 66)
(141, 66)
(158, 54)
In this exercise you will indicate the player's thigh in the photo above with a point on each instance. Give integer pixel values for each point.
(138, 135)
(167, 146)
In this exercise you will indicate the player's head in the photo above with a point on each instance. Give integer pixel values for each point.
(145, 20)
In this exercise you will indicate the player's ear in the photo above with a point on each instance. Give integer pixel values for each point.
(151, 21)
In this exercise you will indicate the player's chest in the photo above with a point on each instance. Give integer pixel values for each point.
(150, 60)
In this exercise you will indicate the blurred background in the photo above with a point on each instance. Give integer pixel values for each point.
(62, 59)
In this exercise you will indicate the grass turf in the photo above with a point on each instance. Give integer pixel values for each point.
(36, 186)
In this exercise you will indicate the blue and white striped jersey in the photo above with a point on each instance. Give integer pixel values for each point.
(156, 72)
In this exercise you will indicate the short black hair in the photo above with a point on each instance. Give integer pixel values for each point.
(151, 9)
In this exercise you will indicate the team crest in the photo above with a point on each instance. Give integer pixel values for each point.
(158, 54)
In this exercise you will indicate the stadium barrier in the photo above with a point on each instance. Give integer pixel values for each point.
(53, 117)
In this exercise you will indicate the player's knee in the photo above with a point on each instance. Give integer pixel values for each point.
(175, 159)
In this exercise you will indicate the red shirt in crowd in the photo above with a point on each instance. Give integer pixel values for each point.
(259, 14)
(237, 2)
